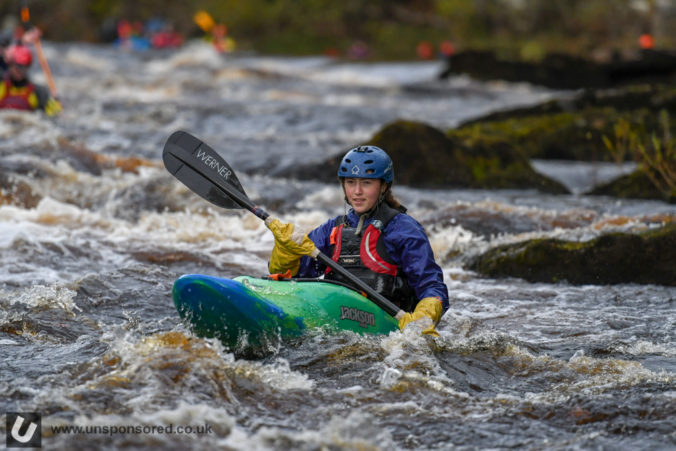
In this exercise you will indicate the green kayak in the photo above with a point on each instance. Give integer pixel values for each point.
(249, 311)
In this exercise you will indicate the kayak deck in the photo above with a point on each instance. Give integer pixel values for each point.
(253, 311)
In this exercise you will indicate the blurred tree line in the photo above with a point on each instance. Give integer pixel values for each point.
(390, 28)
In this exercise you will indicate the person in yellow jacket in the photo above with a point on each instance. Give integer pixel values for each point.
(376, 241)
(17, 91)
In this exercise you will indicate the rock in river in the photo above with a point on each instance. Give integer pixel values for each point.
(648, 257)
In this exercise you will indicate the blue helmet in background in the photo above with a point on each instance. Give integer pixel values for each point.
(367, 162)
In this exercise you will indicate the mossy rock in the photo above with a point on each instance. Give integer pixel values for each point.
(572, 128)
(636, 185)
(565, 135)
(653, 97)
(559, 136)
(425, 157)
(647, 258)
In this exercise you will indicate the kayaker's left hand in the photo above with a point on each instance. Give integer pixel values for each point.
(427, 308)
(53, 107)
(290, 245)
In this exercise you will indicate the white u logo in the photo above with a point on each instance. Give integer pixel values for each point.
(25, 437)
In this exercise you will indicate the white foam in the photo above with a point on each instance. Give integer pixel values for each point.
(357, 430)
(89, 60)
(643, 347)
(450, 239)
(281, 377)
(53, 296)
(329, 196)
(377, 74)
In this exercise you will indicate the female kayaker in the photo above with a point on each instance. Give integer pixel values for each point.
(376, 240)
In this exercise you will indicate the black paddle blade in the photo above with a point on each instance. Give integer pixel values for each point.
(202, 170)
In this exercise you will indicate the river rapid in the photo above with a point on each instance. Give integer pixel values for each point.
(89, 336)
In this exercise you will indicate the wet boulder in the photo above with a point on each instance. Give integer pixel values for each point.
(579, 128)
(648, 257)
(574, 128)
(637, 185)
(84, 159)
(556, 136)
(426, 157)
(563, 71)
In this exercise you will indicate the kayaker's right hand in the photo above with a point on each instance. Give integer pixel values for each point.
(290, 246)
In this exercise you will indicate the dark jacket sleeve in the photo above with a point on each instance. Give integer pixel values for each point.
(409, 247)
(43, 95)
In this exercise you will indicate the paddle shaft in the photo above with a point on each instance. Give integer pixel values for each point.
(376, 297)
(220, 179)
(25, 18)
(45, 67)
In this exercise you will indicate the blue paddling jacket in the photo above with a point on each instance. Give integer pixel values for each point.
(405, 244)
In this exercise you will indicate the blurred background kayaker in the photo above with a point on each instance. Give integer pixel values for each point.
(17, 91)
(376, 241)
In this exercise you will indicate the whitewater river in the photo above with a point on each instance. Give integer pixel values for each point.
(89, 336)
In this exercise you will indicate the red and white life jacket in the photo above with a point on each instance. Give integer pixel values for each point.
(365, 256)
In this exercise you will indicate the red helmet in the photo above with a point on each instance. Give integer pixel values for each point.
(18, 54)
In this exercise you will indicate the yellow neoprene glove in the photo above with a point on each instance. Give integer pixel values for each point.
(290, 246)
(427, 307)
(53, 107)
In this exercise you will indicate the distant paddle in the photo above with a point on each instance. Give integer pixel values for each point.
(25, 18)
(202, 170)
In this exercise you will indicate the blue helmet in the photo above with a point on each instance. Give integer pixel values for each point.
(367, 162)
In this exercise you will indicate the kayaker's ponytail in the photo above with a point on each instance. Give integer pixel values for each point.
(393, 202)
